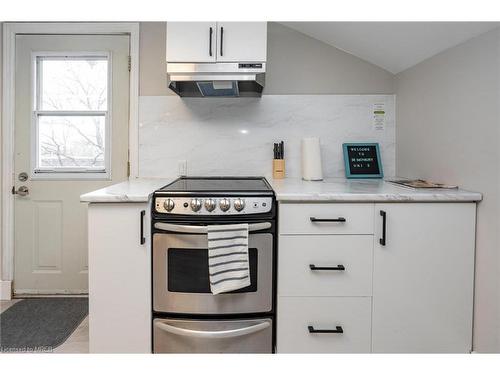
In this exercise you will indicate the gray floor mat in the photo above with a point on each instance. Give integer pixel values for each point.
(40, 324)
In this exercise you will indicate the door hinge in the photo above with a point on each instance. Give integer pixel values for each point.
(128, 168)
(129, 63)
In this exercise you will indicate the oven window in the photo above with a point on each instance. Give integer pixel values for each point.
(188, 271)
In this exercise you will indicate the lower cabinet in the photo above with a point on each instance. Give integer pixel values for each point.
(324, 324)
(423, 278)
(119, 278)
(403, 283)
(326, 266)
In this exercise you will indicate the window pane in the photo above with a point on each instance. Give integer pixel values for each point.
(70, 84)
(71, 141)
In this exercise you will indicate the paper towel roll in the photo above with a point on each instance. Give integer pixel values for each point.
(311, 159)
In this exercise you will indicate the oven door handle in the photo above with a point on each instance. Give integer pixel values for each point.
(212, 334)
(204, 229)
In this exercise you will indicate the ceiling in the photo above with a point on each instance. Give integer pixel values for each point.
(393, 46)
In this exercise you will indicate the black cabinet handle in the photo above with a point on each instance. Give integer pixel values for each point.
(338, 329)
(221, 40)
(340, 267)
(384, 224)
(210, 42)
(337, 220)
(143, 239)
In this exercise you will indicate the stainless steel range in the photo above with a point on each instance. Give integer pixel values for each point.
(187, 317)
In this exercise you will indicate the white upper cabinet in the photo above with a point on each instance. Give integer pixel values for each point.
(241, 41)
(191, 41)
(205, 42)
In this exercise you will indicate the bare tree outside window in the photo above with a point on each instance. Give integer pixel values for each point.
(72, 108)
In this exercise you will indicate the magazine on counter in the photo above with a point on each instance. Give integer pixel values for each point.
(421, 184)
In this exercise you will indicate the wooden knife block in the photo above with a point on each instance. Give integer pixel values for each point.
(278, 168)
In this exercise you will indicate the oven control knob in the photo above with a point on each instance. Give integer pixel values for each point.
(210, 204)
(195, 204)
(224, 204)
(169, 205)
(239, 204)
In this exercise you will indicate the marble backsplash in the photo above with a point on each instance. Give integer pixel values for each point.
(235, 136)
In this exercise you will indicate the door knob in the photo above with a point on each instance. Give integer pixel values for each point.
(23, 176)
(22, 191)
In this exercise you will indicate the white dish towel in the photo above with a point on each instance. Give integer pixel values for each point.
(228, 262)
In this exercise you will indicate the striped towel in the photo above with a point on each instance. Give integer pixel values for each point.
(228, 257)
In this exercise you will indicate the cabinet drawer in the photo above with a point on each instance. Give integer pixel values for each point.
(331, 218)
(298, 254)
(296, 314)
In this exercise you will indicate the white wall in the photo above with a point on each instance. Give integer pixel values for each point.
(1, 127)
(152, 63)
(447, 111)
(296, 64)
(299, 64)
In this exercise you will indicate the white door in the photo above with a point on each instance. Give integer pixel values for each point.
(71, 137)
(423, 278)
(241, 41)
(191, 41)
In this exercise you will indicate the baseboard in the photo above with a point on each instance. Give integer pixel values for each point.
(51, 292)
(40, 295)
(5, 290)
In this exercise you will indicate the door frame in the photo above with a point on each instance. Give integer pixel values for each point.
(10, 30)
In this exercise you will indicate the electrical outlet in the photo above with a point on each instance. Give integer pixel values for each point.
(182, 166)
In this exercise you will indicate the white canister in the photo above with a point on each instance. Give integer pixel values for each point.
(312, 169)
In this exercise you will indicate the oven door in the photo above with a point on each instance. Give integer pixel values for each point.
(212, 336)
(180, 273)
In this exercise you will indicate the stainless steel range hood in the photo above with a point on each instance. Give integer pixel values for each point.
(217, 79)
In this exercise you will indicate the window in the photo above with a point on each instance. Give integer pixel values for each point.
(71, 117)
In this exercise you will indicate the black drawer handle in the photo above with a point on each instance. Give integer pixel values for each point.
(384, 225)
(337, 220)
(338, 329)
(221, 41)
(340, 267)
(210, 41)
(143, 239)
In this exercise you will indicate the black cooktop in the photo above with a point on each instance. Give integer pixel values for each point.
(218, 184)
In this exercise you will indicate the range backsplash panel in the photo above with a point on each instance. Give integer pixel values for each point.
(235, 136)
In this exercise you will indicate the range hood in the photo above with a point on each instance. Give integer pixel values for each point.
(217, 79)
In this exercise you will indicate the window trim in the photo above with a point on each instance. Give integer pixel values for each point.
(69, 173)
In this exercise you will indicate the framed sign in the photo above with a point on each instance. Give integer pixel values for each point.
(362, 160)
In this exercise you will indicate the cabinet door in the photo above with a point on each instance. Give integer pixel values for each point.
(241, 41)
(119, 278)
(191, 41)
(423, 277)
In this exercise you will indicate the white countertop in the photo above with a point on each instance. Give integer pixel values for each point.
(342, 190)
(297, 190)
(136, 190)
